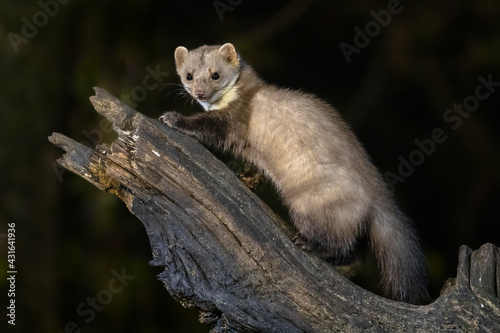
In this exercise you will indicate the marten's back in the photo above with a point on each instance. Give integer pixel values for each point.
(302, 144)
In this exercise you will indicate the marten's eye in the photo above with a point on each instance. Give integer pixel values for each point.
(215, 76)
(189, 77)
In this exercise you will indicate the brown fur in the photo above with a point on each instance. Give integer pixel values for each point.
(334, 193)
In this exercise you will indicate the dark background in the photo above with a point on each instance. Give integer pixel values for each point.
(70, 237)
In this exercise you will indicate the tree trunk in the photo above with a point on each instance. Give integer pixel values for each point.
(225, 252)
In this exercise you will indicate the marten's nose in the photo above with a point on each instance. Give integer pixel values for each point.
(199, 94)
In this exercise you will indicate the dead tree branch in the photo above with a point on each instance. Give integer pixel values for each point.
(227, 254)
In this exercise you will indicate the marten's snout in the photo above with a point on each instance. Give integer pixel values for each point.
(200, 94)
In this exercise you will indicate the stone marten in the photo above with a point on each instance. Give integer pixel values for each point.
(333, 192)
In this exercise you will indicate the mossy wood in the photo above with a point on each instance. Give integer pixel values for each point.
(226, 253)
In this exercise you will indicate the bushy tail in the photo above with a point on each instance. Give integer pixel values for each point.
(400, 259)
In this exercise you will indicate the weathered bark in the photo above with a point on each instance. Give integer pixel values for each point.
(226, 253)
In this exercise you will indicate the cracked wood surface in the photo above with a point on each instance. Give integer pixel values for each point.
(226, 253)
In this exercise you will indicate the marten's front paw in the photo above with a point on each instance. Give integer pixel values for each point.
(251, 180)
(303, 243)
(170, 118)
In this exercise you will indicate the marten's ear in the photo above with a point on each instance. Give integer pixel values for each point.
(180, 55)
(229, 52)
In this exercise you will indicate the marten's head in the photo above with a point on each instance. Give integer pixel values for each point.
(209, 74)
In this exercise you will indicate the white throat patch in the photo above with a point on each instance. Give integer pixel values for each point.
(222, 98)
